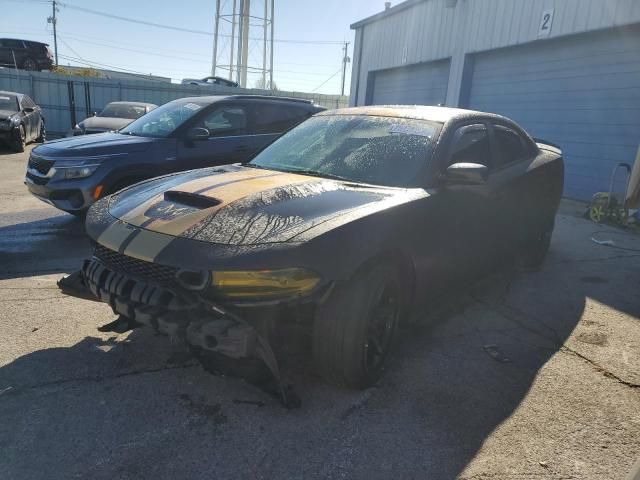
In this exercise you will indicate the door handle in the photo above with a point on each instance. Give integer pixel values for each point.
(243, 149)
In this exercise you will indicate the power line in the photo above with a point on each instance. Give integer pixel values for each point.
(295, 72)
(327, 80)
(181, 29)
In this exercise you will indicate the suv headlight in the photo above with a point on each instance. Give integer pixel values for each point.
(261, 284)
(79, 171)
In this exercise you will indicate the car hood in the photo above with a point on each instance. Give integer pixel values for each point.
(104, 123)
(99, 144)
(236, 205)
(5, 114)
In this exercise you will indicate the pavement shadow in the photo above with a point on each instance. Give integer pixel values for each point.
(456, 375)
(46, 245)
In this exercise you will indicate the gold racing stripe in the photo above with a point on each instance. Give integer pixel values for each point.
(136, 215)
(147, 245)
(227, 194)
(115, 235)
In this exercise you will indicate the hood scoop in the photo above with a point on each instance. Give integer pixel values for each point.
(193, 200)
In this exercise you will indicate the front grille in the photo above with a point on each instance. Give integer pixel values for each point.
(37, 180)
(40, 164)
(151, 272)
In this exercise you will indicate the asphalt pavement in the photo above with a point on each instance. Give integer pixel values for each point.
(524, 375)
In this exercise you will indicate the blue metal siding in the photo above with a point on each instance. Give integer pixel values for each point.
(581, 92)
(422, 84)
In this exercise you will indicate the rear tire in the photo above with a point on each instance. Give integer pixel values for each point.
(42, 136)
(20, 140)
(29, 64)
(537, 248)
(354, 328)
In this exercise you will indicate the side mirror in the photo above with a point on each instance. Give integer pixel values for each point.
(29, 109)
(467, 174)
(198, 133)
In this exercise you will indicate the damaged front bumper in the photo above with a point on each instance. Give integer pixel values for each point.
(187, 316)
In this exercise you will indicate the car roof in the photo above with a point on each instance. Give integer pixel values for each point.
(13, 94)
(136, 104)
(219, 98)
(416, 112)
(26, 41)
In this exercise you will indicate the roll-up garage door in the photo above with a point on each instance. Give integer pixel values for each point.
(581, 92)
(420, 84)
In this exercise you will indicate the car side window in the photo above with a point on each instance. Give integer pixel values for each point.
(14, 44)
(510, 146)
(27, 102)
(471, 145)
(270, 119)
(225, 121)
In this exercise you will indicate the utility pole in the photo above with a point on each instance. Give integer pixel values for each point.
(244, 33)
(233, 39)
(214, 60)
(264, 47)
(273, 17)
(345, 60)
(52, 20)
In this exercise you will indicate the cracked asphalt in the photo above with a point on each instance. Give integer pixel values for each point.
(524, 375)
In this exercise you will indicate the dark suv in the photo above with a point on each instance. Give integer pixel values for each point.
(25, 54)
(184, 134)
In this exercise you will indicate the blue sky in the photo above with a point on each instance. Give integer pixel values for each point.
(96, 39)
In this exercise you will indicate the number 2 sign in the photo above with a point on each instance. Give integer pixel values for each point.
(545, 23)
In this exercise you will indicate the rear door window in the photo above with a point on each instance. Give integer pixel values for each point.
(510, 147)
(225, 121)
(471, 145)
(273, 119)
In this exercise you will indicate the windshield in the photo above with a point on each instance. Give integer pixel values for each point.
(378, 150)
(8, 103)
(123, 111)
(162, 121)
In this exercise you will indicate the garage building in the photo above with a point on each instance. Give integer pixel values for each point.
(567, 70)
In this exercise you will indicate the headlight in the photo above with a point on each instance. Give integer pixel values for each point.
(80, 171)
(264, 283)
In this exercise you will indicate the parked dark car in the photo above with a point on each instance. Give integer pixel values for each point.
(25, 54)
(113, 117)
(21, 121)
(184, 134)
(209, 81)
(340, 227)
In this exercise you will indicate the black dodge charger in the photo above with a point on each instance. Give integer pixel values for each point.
(338, 228)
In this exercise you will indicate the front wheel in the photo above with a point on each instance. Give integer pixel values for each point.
(354, 328)
(20, 140)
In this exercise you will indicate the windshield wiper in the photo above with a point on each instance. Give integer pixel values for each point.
(315, 173)
(255, 165)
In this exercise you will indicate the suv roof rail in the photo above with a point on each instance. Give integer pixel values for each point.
(274, 97)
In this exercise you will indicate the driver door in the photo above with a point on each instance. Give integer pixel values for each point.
(228, 129)
(467, 211)
(30, 118)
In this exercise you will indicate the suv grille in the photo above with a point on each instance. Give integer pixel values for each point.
(40, 164)
(152, 272)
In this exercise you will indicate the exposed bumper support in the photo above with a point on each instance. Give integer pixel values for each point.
(184, 315)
